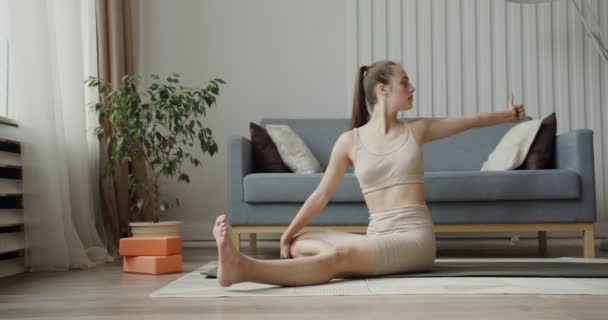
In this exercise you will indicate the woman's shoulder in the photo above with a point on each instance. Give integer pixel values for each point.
(346, 143)
(418, 126)
(347, 138)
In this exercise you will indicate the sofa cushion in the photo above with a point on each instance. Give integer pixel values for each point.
(444, 186)
(542, 151)
(501, 185)
(266, 157)
(295, 187)
(512, 149)
(293, 150)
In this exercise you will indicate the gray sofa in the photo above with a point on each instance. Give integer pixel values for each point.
(461, 198)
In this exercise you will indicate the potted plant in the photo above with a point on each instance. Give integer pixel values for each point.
(153, 126)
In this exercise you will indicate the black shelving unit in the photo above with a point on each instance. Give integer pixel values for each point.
(12, 232)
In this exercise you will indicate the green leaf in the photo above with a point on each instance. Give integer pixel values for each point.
(183, 177)
(99, 131)
(164, 206)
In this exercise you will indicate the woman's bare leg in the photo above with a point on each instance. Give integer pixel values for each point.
(233, 267)
(311, 243)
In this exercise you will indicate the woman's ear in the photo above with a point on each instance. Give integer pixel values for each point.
(384, 89)
(387, 88)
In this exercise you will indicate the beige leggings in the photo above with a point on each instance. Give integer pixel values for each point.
(402, 238)
(399, 240)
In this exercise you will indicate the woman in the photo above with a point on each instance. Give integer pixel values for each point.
(386, 154)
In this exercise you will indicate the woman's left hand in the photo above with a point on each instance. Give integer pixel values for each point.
(517, 111)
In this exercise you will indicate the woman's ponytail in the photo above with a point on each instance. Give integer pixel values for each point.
(360, 114)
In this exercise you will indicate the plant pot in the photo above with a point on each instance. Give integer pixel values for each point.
(156, 229)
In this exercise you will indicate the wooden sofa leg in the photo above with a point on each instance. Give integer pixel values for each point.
(589, 243)
(542, 243)
(236, 239)
(253, 243)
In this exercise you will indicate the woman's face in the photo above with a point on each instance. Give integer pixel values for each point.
(400, 95)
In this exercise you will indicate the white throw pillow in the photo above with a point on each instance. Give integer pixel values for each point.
(512, 149)
(294, 152)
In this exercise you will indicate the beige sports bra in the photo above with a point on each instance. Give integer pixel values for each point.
(403, 164)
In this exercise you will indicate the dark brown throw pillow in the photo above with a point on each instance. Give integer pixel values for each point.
(541, 152)
(266, 157)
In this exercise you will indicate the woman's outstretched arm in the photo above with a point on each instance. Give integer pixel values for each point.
(434, 129)
(318, 199)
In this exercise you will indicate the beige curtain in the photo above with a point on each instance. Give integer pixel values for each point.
(115, 56)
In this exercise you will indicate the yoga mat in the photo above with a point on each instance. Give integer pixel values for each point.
(551, 267)
(197, 285)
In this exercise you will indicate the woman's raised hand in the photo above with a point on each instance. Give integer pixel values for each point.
(518, 111)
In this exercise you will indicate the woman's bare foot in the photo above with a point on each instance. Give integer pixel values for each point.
(230, 261)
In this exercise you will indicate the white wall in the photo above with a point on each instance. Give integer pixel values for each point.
(299, 58)
(280, 59)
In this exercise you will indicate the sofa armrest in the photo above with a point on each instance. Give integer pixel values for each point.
(239, 164)
(574, 151)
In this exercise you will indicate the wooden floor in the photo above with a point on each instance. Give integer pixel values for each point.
(107, 293)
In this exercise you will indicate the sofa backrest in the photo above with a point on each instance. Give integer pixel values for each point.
(467, 150)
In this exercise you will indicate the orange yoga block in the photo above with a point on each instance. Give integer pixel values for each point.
(150, 246)
(153, 264)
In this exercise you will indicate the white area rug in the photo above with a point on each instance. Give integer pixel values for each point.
(195, 285)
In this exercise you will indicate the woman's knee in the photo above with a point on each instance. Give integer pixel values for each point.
(302, 247)
(353, 260)
(310, 243)
(341, 256)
